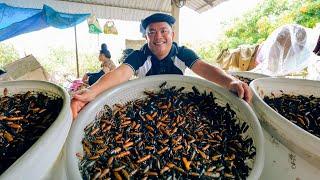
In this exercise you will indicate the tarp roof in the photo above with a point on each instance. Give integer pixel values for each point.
(15, 21)
(131, 10)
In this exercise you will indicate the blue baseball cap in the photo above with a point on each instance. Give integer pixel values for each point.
(158, 17)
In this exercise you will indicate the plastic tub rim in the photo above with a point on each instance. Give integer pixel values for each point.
(274, 112)
(92, 106)
(60, 122)
(291, 135)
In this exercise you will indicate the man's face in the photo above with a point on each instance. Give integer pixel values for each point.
(159, 36)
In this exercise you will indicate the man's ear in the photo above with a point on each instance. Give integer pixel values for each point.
(173, 34)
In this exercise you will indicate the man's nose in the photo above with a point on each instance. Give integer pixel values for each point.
(158, 34)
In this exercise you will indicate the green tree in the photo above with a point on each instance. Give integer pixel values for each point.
(257, 24)
(61, 63)
(89, 63)
(59, 59)
(8, 54)
(65, 60)
(309, 13)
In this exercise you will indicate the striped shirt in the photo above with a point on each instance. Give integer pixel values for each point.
(144, 63)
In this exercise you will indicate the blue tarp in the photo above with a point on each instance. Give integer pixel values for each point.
(15, 21)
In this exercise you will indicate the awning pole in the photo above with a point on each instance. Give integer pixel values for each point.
(76, 41)
(175, 12)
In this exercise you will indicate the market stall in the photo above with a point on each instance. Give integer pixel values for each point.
(261, 152)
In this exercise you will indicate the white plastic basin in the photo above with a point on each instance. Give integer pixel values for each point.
(292, 136)
(134, 89)
(38, 160)
(247, 74)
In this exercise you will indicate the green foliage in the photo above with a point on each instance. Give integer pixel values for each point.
(256, 25)
(8, 54)
(61, 62)
(309, 13)
(89, 63)
(59, 59)
(205, 50)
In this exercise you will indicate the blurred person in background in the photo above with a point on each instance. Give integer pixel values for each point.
(106, 64)
(159, 56)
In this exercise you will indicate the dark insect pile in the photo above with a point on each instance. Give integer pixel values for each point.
(23, 119)
(301, 110)
(170, 134)
(243, 79)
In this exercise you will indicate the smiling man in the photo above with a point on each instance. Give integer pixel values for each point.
(159, 56)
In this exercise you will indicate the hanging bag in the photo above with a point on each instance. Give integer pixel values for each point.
(110, 28)
(94, 26)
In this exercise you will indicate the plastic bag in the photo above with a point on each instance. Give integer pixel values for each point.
(94, 26)
(314, 69)
(110, 28)
(287, 50)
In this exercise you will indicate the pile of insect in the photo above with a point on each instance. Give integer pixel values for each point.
(289, 112)
(166, 126)
(35, 119)
(247, 76)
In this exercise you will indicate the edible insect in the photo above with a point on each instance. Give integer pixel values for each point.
(170, 134)
(24, 117)
(303, 111)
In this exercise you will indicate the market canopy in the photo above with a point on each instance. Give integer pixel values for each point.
(129, 10)
(16, 20)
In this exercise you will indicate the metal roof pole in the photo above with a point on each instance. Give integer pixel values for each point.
(77, 58)
(175, 12)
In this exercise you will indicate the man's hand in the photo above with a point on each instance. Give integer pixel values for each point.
(217, 75)
(108, 80)
(79, 100)
(242, 89)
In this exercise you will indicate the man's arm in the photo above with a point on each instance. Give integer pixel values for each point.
(121, 74)
(212, 73)
(109, 80)
(217, 75)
